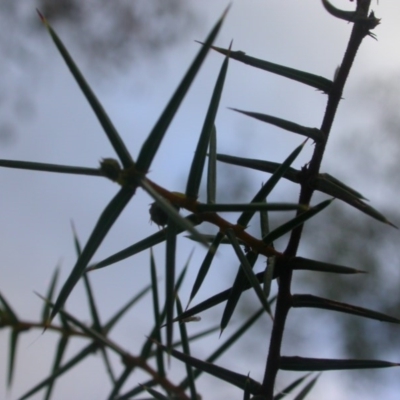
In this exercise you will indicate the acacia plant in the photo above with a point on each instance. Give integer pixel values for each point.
(130, 174)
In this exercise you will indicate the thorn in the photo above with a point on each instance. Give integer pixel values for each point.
(394, 226)
(42, 18)
(48, 321)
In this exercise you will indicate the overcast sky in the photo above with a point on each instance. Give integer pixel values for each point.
(36, 208)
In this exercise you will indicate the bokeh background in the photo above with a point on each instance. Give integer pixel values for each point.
(134, 54)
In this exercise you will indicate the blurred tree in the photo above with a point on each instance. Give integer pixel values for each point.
(117, 32)
(109, 36)
(371, 167)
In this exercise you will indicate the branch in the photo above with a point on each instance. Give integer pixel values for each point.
(363, 23)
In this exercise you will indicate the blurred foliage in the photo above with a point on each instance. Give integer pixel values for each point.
(110, 37)
(128, 28)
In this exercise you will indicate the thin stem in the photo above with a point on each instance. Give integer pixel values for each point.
(361, 28)
(127, 358)
(193, 206)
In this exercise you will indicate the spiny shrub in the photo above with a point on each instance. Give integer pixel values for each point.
(151, 358)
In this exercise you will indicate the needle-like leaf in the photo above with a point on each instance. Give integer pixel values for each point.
(211, 238)
(50, 294)
(248, 270)
(300, 263)
(216, 299)
(268, 276)
(137, 390)
(241, 281)
(229, 342)
(251, 207)
(322, 184)
(98, 109)
(140, 246)
(296, 221)
(267, 188)
(186, 350)
(146, 349)
(153, 141)
(62, 169)
(308, 300)
(329, 184)
(96, 318)
(106, 220)
(312, 133)
(62, 346)
(170, 280)
(157, 316)
(312, 80)
(120, 382)
(266, 166)
(224, 374)
(196, 169)
(88, 289)
(290, 387)
(205, 265)
(14, 335)
(264, 220)
(325, 364)
(155, 394)
(212, 168)
(304, 392)
(9, 312)
(246, 392)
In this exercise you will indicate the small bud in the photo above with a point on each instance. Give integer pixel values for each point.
(157, 215)
(110, 168)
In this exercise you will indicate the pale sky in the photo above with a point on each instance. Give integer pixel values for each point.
(36, 208)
